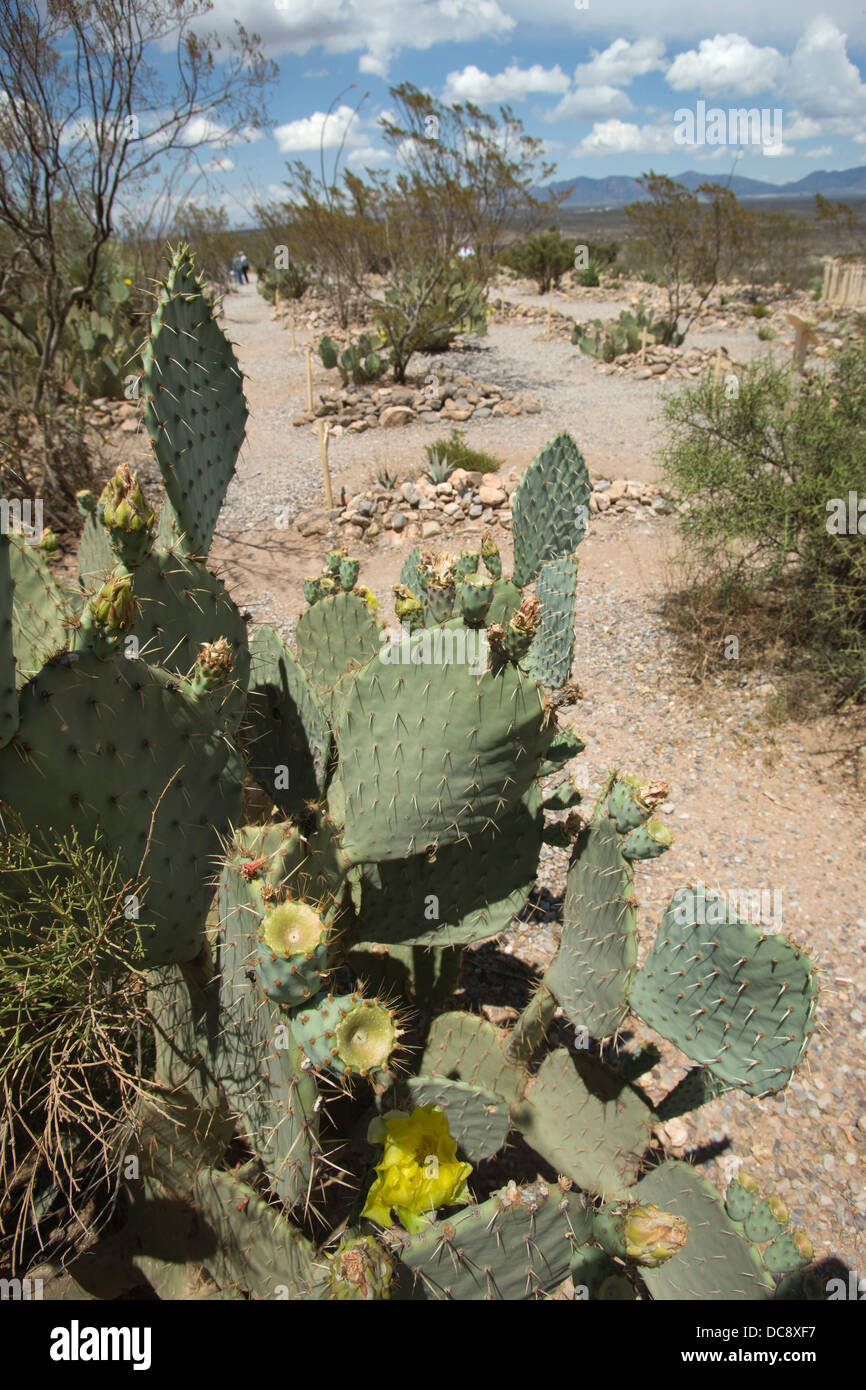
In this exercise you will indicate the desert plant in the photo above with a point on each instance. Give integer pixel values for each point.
(624, 334)
(544, 258)
(401, 806)
(359, 362)
(765, 477)
(291, 281)
(457, 454)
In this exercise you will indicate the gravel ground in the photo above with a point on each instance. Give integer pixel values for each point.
(752, 805)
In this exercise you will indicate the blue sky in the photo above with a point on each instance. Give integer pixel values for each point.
(600, 85)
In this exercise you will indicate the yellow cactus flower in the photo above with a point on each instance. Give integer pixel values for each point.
(419, 1170)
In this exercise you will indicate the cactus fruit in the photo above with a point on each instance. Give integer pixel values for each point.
(474, 596)
(409, 609)
(359, 1270)
(294, 960)
(347, 1034)
(213, 667)
(643, 1235)
(349, 569)
(312, 589)
(108, 616)
(511, 641)
(647, 841)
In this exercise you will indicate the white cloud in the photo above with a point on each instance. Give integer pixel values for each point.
(822, 81)
(727, 63)
(471, 84)
(591, 104)
(621, 62)
(222, 165)
(367, 154)
(820, 153)
(203, 130)
(322, 129)
(774, 151)
(623, 137)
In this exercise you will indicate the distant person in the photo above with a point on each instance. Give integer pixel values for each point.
(237, 271)
(245, 266)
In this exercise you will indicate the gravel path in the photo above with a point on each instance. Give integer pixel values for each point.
(752, 805)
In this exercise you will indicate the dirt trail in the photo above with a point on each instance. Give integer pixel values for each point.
(752, 805)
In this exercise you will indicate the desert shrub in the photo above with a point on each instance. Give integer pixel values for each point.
(456, 453)
(291, 281)
(765, 474)
(543, 258)
(589, 277)
(70, 1014)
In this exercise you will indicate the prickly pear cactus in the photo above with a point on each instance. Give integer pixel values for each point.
(551, 507)
(195, 411)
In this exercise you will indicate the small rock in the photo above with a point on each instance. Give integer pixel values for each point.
(395, 415)
(309, 525)
(130, 425)
(489, 495)
(398, 521)
(618, 489)
(430, 528)
(475, 511)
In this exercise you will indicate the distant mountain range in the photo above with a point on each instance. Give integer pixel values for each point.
(619, 189)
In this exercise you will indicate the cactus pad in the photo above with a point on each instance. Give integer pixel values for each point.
(194, 412)
(337, 633)
(550, 507)
(727, 995)
(8, 695)
(478, 1120)
(286, 736)
(552, 652)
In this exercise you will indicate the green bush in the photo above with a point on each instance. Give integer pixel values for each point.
(589, 277)
(455, 452)
(543, 258)
(624, 334)
(291, 281)
(362, 361)
(759, 311)
(763, 475)
(765, 334)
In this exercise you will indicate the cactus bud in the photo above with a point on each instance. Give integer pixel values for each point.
(332, 561)
(511, 641)
(86, 502)
(312, 590)
(348, 573)
(49, 542)
(646, 1235)
(490, 555)
(360, 1270)
(115, 607)
(213, 666)
(408, 607)
(129, 518)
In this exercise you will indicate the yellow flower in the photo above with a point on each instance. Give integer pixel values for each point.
(127, 282)
(419, 1170)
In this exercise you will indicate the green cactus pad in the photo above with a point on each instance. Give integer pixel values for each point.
(789, 1252)
(256, 1056)
(40, 612)
(727, 995)
(96, 559)
(478, 1120)
(111, 744)
(517, 1245)
(254, 1249)
(766, 1219)
(469, 893)
(8, 694)
(586, 1122)
(467, 1048)
(506, 600)
(337, 633)
(717, 1262)
(194, 412)
(597, 953)
(741, 1196)
(550, 507)
(410, 574)
(183, 605)
(552, 652)
(431, 754)
(425, 976)
(626, 804)
(565, 745)
(285, 735)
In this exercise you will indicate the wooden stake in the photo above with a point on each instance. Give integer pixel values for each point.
(292, 326)
(324, 432)
(644, 334)
(549, 316)
(718, 367)
(309, 380)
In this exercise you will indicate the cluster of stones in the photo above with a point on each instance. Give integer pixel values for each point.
(559, 324)
(667, 362)
(354, 409)
(116, 415)
(422, 510)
